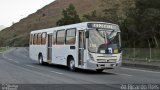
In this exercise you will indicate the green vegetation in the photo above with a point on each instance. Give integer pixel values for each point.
(139, 21)
(2, 49)
(141, 27)
(70, 16)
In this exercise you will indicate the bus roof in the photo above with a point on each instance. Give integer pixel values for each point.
(83, 25)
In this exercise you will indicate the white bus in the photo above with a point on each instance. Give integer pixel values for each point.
(87, 45)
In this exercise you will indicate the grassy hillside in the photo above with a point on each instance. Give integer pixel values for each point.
(18, 34)
(2, 27)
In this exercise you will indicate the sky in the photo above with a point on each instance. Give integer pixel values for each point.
(14, 10)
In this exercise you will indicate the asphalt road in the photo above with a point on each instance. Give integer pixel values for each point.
(17, 68)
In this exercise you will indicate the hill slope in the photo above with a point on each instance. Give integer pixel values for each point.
(18, 34)
(2, 27)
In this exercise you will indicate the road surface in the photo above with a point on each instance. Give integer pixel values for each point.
(17, 68)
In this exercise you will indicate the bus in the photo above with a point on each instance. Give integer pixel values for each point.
(87, 45)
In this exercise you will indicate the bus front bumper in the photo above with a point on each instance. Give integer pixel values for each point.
(94, 65)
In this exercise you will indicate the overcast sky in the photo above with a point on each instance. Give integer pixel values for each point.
(14, 10)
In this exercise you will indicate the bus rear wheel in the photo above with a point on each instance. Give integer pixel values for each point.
(99, 70)
(40, 60)
(72, 64)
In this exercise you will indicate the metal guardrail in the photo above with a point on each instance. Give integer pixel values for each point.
(143, 54)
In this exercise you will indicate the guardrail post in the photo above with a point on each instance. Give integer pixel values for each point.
(134, 54)
(150, 54)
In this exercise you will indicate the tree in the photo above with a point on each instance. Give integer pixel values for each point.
(139, 21)
(70, 16)
(92, 16)
(143, 21)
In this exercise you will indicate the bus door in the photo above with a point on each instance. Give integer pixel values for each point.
(49, 48)
(81, 47)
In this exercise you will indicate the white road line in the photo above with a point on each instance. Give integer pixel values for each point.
(56, 72)
(40, 69)
(123, 74)
(140, 70)
(29, 65)
(6, 57)
(9, 58)
(16, 61)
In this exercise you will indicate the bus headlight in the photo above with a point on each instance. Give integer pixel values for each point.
(120, 58)
(91, 57)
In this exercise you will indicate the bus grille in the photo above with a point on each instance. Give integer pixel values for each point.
(106, 61)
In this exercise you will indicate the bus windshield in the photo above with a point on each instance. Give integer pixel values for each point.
(104, 41)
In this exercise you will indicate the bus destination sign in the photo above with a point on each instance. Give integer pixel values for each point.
(100, 26)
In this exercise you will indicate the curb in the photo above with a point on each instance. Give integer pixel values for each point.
(152, 67)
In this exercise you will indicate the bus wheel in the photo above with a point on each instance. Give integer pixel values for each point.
(40, 60)
(99, 70)
(72, 64)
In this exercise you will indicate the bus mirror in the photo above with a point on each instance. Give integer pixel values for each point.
(87, 34)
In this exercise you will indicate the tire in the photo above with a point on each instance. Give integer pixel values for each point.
(99, 70)
(40, 60)
(72, 64)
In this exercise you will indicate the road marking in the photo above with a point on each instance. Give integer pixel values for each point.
(123, 74)
(6, 57)
(39, 73)
(16, 61)
(40, 69)
(140, 70)
(10, 59)
(29, 65)
(56, 72)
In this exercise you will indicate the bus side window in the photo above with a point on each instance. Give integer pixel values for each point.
(35, 39)
(54, 38)
(60, 37)
(31, 39)
(71, 36)
(39, 38)
(43, 41)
